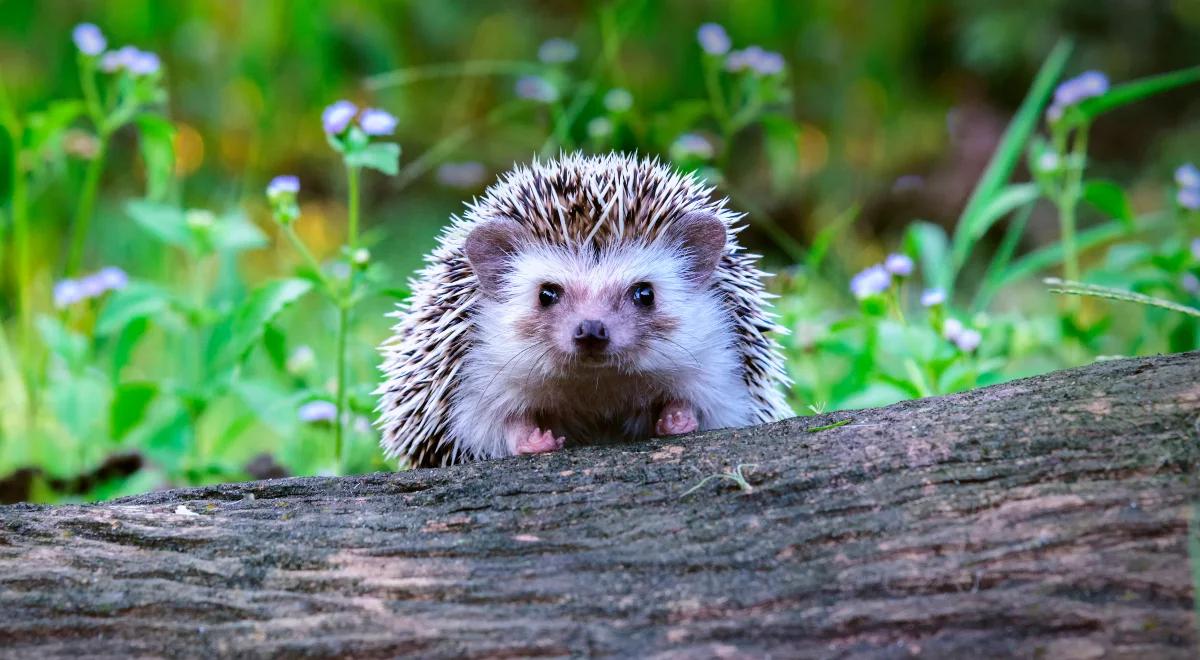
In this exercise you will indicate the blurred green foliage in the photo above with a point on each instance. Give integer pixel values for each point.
(876, 138)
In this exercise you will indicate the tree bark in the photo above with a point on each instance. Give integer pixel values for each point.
(1047, 517)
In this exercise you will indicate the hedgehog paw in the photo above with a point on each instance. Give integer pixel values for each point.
(677, 418)
(539, 442)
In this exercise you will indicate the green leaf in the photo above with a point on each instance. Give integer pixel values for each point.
(275, 343)
(164, 222)
(127, 341)
(1004, 160)
(1004, 202)
(1135, 90)
(1110, 199)
(382, 156)
(236, 233)
(928, 241)
(136, 301)
(1001, 259)
(70, 346)
(158, 152)
(47, 127)
(128, 408)
(251, 318)
(1052, 255)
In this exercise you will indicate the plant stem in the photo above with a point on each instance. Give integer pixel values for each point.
(1071, 195)
(352, 208)
(340, 423)
(83, 211)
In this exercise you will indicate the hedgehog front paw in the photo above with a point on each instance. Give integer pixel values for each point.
(539, 442)
(677, 418)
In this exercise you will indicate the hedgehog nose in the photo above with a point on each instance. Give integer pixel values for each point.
(591, 335)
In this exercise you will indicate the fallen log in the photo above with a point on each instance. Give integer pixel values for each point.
(1047, 517)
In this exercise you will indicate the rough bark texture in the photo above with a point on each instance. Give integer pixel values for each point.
(1045, 517)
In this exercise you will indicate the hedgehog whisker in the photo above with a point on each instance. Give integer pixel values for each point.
(682, 348)
(501, 369)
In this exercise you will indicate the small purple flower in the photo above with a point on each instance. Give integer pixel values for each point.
(713, 39)
(112, 278)
(1191, 283)
(1187, 176)
(1081, 87)
(899, 265)
(1076, 90)
(89, 39)
(767, 63)
(336, 117)
(67, 293)
(283, 184)
(870, 282)
(301, 361)
(70, 291)
(932, 297)
(461, 175)
(377, 122)
(1188, 198)
(1049, 162)
(144, 63)
(536, 88)
(618, 100)
(968, 340)
(599, 128)
(558, 51)
(692, 146)
(953, 329)
(115, 60)
(1196, 248)
(317, 411)
(755, 59)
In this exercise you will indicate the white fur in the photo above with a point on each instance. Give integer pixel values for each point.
(505, 377)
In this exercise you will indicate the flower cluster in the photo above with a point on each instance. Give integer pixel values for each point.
(337, 116)
(1188, 178)
(715, 41)
(317, 411)
(691, 146)
(933, 298)
(876, 279)
(70, 291)
(756, 60)
(281, 195)
(89, 39)
(966, 339)
(91, 42)
(558, 51)
(536, 88)
(1072, 92)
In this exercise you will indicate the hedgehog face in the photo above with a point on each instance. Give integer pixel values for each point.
(617, 306)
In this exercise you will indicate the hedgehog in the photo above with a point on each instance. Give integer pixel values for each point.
(581, 300)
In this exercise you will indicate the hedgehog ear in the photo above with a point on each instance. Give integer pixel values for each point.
(489, 248)
(702, 237)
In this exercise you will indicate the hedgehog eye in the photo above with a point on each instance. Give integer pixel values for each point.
(642, 294)
(549, 294)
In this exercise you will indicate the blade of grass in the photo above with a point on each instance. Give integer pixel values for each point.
(1133, 91)
(1005, 159)
(483, 68)
(1071, 288)
(1051, 255)
(1000, 260)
